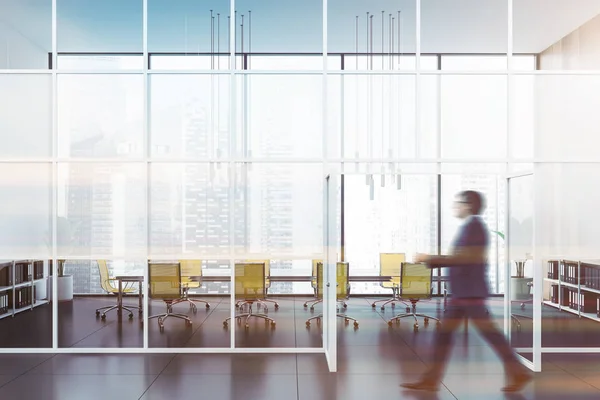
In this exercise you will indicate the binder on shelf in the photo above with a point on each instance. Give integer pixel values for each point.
(564, 298)
(554, 294)
(552, 269)
(38, 269)
(571, 302)
(562, 268)
(3, 303)
(571, 273)
(587, 302)
(6, 273)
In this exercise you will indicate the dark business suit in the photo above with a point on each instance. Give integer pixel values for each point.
(468, 284)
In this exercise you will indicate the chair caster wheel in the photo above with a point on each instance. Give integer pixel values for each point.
(390, 323)
(305, 305)
(416, 327)
(308, 324)
(522, 306)
(97, 313)
(188, 323)
(382, 308)
(345, 305)
(225, 325)
(373, 305)
(407, 309)
(103, 317)
(426, 321)
(207, 306)
(355, 324)
(312, 309)
(247, 326)
(347, 321)
(272, 324)
(277, 306)
(130, 317)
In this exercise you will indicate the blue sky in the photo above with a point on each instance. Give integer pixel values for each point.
(184, 25)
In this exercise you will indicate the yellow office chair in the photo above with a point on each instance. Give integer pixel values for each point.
(249, 289)
(313, 283)
(262, 302)
(389, 265)
(415, 285)
(165, 284)
(107, 286)
(342, 290)
(191, 273)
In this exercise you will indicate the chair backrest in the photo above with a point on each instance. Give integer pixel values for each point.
(390, 265)
(415, 281)
(105, 281)
(343, 285)
(165, 280)
(318, 276)
(315, 268)
(190, 268)
(249, 281)
(267, 264)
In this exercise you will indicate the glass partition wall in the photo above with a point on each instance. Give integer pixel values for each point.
(197, 137)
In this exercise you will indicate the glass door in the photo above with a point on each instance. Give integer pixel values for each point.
(330, 257)
(519, 304)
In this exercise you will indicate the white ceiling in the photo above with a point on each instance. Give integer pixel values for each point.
(481, 26)
(537, 24)
(447, 26)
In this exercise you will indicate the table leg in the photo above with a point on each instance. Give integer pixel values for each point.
(120, 298)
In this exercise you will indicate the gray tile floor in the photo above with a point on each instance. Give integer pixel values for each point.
(372, 362)
(276, 376)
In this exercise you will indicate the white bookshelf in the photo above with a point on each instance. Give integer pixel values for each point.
(580, 288)
(39, 285)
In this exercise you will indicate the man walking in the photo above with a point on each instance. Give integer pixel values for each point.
(468, 269)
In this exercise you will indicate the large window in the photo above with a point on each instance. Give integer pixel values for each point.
(387, 214)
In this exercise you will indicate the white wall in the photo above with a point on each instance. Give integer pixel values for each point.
(567, 127)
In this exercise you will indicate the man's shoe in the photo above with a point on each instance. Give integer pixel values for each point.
(428, 386)
(519, 382)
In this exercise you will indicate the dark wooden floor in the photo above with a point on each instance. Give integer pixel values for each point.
(372, 361)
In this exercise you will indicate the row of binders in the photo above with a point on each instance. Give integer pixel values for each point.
(23, 297)
(586, 302)
(5, 301)
(576, 273)
(23, 271)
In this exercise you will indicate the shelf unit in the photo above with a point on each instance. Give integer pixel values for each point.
(561, 272)
(8, 294)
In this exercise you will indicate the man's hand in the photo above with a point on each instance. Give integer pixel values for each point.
(421, 258)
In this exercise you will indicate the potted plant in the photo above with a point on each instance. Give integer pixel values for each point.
(65, 243)
(519, 284)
